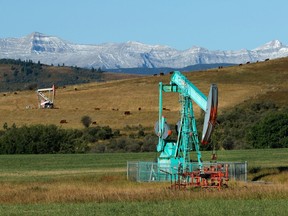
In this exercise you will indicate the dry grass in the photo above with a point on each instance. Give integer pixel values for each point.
(236, 84)
(94, 178)
(116, 188)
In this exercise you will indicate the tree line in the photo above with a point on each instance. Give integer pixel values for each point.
(50, 139)
(254, 125)
(45, 139)
(28, 75)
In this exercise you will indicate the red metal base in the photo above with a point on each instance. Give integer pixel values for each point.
(212, 177)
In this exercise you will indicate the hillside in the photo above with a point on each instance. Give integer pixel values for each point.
(106, 102)
(27, 75)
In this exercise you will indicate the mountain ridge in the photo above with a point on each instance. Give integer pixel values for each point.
(131, 54)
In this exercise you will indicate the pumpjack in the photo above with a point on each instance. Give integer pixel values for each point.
(174, 156)
(46, 97)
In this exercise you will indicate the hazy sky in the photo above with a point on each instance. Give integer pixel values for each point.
(181, 24)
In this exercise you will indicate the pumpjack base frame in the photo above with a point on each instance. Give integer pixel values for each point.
(209, 178)
(213, 173)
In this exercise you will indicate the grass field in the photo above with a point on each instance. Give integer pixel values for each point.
(183, 207)
(265, 80)
(95, 184)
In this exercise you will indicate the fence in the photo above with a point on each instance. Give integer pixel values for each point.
(151, 172)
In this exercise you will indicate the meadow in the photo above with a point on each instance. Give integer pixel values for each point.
(96, 184)
(106, 102)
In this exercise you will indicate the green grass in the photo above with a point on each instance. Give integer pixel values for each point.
(46, 162)
(167, 208)
(255, 157)
(55, 162)
(95, 184)
(47, 167)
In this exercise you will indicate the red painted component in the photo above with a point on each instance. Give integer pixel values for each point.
(210, 177)
(210, 115)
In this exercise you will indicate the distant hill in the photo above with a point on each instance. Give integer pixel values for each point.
(154, 71)
(27, 75)
(106, 102)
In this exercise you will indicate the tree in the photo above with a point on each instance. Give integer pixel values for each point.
(271, 132)
(86, 121)
(5, 126)
(41, 139)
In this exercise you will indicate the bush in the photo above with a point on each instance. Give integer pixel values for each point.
(99, 148)
(40, 139)
(271, 132)
(43, 139)
(133, 147)
(234, 125)
(86, 121)
(93, 134)
(149, 143)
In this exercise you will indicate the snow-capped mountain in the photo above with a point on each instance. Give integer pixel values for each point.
(53, 50)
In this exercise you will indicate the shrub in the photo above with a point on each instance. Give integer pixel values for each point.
(234, 125)
(41, 139)
(271, 132)
(86, 121)
(149, 143)
(133, 147)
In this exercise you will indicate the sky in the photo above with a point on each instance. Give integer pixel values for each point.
(180, 24)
